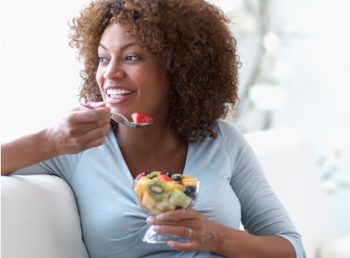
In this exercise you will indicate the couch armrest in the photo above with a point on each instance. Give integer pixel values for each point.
(39, 218)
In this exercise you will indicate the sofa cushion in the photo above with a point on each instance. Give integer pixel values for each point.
(337, 248)
(289, 164)
(39, 218)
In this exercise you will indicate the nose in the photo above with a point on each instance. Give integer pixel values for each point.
(113, 71)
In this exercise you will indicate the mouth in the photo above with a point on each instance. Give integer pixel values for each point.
(118, 95)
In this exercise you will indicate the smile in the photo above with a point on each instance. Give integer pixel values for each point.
(117, 93)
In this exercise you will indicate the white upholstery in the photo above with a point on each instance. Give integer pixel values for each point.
(288, 162)
(339, 248)
(39, 219)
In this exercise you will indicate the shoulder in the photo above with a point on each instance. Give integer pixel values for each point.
(230, 135)
(227, 128)
(235, 144)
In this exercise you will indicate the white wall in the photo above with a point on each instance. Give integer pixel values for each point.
(319, 57)
(40, 74)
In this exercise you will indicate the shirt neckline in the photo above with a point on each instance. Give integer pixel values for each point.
(126, 170)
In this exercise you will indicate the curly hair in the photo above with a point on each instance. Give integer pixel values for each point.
(192, 40)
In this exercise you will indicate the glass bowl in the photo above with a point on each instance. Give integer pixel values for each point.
(159, 192)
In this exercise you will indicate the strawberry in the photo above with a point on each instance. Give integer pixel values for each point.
(140, 117)
(165, 177)
(138, 177)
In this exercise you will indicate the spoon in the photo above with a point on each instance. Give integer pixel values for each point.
(119, 118)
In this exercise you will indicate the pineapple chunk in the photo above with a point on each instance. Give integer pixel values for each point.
(148, 202)
(141, 187)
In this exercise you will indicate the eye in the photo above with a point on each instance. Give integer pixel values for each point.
(132, 58)
(103, 60)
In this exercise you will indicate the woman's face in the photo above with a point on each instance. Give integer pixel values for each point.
(130, 78)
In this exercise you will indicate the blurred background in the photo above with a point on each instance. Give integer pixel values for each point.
(294, 91)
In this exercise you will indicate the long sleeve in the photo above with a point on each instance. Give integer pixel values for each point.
(262, 211)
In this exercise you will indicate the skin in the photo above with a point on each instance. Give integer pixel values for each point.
(125, 64)
(81, 129)
(209, 236)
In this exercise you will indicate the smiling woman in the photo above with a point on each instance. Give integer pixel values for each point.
(179, 49)
(141, 55)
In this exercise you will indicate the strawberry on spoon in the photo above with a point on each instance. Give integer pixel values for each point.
(141, 118)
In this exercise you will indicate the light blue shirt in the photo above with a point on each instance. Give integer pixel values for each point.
(233, 190)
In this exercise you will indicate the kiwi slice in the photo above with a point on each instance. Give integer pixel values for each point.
(158, 188)
(153, 174)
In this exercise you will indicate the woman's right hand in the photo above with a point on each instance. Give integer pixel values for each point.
(81, 129)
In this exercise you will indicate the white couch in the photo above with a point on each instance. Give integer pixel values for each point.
(289, 164)
(40, 217)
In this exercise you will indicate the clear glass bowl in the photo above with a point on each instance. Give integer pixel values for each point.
(159, 192)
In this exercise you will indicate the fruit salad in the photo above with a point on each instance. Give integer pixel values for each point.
(159, 192)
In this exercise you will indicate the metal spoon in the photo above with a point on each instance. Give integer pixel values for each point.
(119, 118)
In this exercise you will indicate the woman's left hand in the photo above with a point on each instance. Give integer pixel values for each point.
(201, 232)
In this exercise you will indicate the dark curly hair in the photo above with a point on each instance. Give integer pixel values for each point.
(192, 41)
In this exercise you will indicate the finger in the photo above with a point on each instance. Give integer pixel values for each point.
(93, 105)
(180, 231)
(80, 129)
(96, 133)
(97, 104)
(93, 135)
(75, 129)
(180, 246)
(88, 116)
(94, 143)
(176, 215)
(153, 221)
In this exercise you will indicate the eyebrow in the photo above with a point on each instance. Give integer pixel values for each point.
(122, 47)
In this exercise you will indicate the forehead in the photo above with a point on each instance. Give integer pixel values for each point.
(117, 34)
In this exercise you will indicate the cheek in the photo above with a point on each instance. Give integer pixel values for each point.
(156, 80)
(99, 78)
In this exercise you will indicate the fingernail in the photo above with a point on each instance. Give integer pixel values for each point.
(159, 216)
(156, 227)
(150, 220)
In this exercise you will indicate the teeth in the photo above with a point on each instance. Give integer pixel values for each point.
(118, 92)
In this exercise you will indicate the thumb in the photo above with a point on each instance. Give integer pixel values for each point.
(97, 104)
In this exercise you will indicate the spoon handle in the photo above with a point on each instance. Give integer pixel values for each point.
(115, 117)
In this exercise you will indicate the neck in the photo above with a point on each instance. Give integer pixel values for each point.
(151, 148)
(148, 140)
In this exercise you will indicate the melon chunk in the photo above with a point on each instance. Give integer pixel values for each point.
(178, 198)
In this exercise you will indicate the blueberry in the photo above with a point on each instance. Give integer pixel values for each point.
(177, 178)
(191, 191)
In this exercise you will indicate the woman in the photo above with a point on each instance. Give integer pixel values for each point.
(176, 61)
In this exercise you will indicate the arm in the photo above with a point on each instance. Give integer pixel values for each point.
(81, 129)
(235, 243)
(209, 236)
(263, 214)
(26, 151)
(270, 232)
